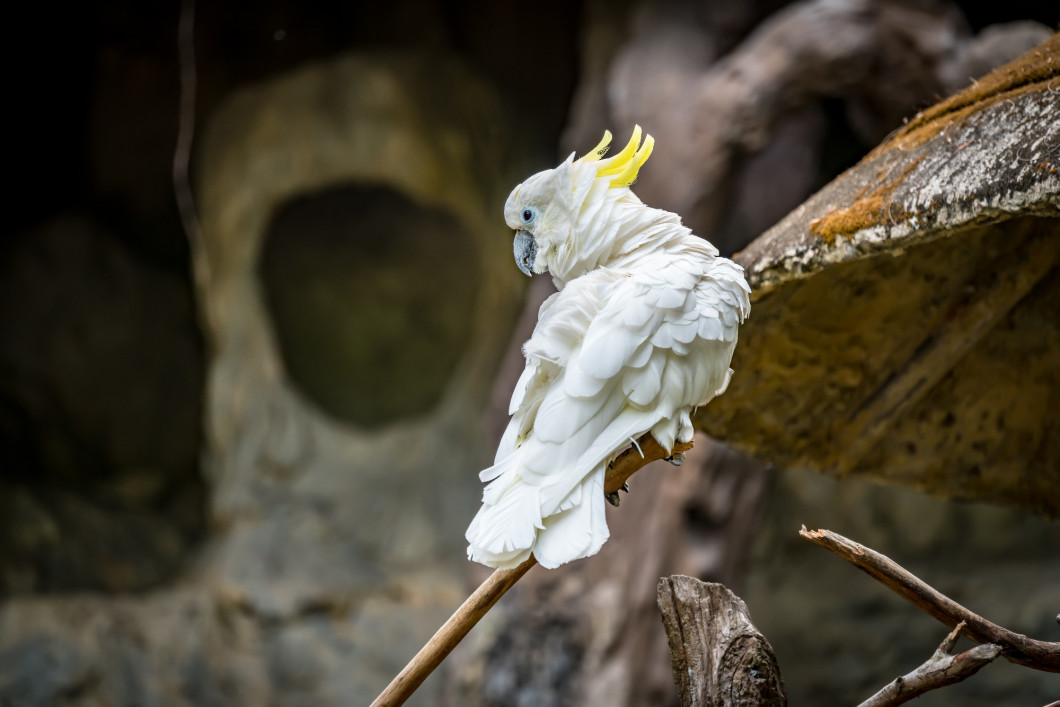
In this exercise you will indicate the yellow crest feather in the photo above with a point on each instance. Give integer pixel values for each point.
(629, 174)
(600, 150)
(626, 164)
(616, 164)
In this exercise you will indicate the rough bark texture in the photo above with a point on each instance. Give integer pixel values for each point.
(719, 658)
(989, 153)
(933, 366)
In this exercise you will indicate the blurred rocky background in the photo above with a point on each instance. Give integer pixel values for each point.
(237, 469)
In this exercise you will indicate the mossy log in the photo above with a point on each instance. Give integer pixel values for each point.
(904, 321)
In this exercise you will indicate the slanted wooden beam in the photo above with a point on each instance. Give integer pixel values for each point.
(1015, 275)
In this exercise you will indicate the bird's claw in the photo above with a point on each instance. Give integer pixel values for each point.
(613, 498)
(676, 459)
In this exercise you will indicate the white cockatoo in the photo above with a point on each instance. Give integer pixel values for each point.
(640, 333)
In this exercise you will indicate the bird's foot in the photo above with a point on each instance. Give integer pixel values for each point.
(613, 498)
(676, 459)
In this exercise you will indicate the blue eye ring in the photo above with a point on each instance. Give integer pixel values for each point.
(528, 215)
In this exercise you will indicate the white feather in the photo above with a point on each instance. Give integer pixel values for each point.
(640, 332)
(579, 530)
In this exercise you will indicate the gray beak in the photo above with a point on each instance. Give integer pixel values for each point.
(525, 251)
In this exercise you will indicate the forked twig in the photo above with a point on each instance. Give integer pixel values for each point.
(1015, 647)
(941, 669)
(489, 592)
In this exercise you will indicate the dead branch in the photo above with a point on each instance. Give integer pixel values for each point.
(489, 592)
(1015, 647)
(941, 669)
(182, 192)
(717, 654)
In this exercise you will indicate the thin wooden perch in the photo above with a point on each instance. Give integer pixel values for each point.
(489, 592)
(943, 668)
(718, 656)
(1015, 647)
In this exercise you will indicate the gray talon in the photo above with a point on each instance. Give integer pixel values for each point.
(613, 498)
(676, 459)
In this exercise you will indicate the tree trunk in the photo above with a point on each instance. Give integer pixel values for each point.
(719, 658)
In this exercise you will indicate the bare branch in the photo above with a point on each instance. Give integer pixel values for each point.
(489, 592)
(185, 136)
(941, 669)
(1015, 647)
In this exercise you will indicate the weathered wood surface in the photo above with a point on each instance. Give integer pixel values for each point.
(987, 154)
(943, 668)
(718, 656)
(934, 367)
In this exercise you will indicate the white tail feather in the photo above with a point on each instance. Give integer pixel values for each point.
(505, 532)
(580, 531)
(502, 534)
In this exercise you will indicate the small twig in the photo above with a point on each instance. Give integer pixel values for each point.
(941, 669)
(490, 591)
(1015, 647)
(185, 137)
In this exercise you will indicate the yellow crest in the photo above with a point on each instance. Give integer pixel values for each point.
(627, 163)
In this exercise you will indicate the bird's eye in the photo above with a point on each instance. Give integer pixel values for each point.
(529, 215)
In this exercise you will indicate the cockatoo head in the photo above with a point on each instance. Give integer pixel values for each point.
(546, 210)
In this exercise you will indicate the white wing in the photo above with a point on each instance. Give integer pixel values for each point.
(614, 354)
